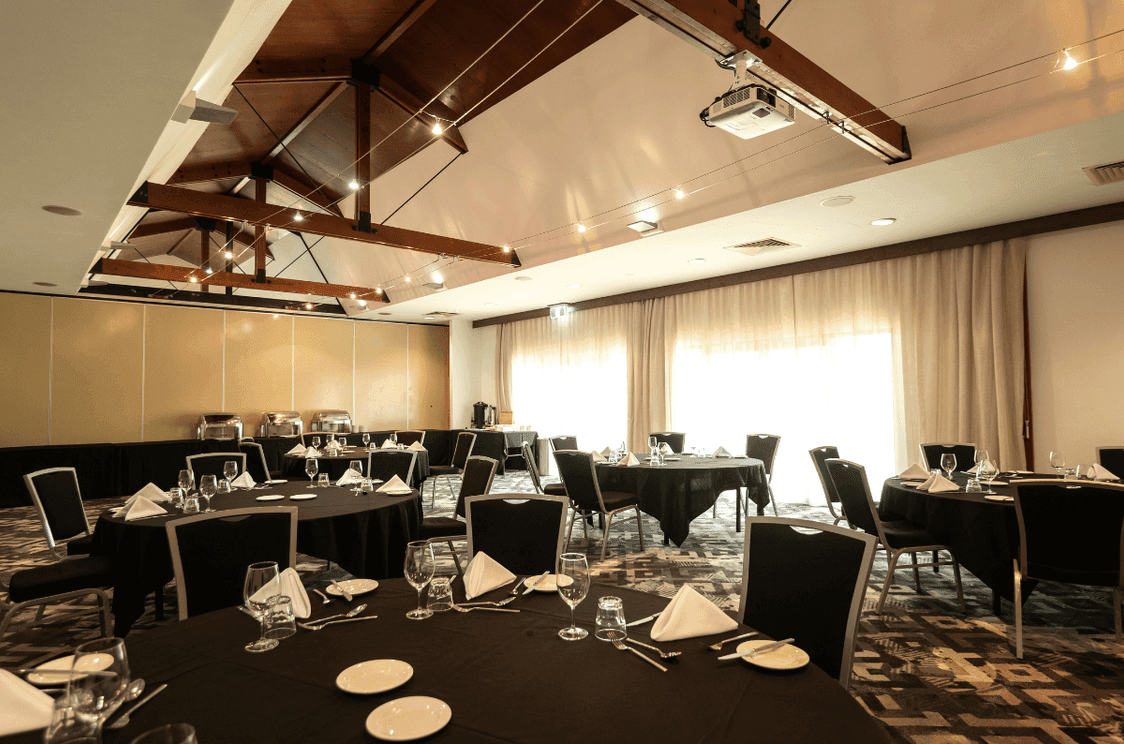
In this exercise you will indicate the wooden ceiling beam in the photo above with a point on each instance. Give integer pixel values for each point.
(209, 172)
(296, 183)
(185, 224)
(184, 275)
(218, 206)
(400, 27)
(710, 26)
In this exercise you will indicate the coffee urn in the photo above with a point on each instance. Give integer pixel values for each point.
(479, 413)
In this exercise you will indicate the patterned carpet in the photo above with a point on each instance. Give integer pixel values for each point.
(930, 673)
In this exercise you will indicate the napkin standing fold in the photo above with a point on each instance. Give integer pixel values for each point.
(1102, 473)
(721, 452)
(150, 492)
(484, 574)
(690, 615)
(25, 707)
(914, 472)
(666, 449)
(628, 462)
(387, 444)
(606, 452)
(142, 507)
(311, 453)
(297, 451)
(349, 478)
(597, 457)
(292, 588)
(394, 486)
(416, 447)
(938, 484)
(244, 481)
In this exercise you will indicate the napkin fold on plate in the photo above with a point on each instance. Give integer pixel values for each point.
(914, 472)
(938, 484)
(25, 707)
(244, 481)
(394, 487)
(606, 452)
(1102, 473)
(288, 584)
(690, 615)
(296, 451)
(721, 452)
(142, 507)
(598, 457)
(416, 447)
(387, 444)
(628, 462)
(311, 453)
(665, 449)
(484, 574)
(349, 478)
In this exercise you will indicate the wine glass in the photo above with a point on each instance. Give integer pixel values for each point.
(230, 471)
(653, 445)
(366, 440)
(356, 469)
(262, 582)
(311, 467)
(988, 470)
(419, 572)
(316, 442)
(1057, 462)
(394, 438)
(574, 567)
(331, 438)
(95, 696)
(948, 463)
(208, 487)
(187, 481)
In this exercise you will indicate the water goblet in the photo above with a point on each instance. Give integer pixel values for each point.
(1057, 462)
(948, 463)
(366, 439)
(356, 469)
(573, 585)
(230, 472)
(980, 456)
(187, 480)
(331, 438)
(653, 445)
(988, 470)
(316, 442)
(263, 582)
(208, 487)
(94, 697)
(311, 467)
(419, 572)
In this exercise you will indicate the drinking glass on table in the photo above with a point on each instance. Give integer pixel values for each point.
(419, 572)
(172, 733)
(187, 480)
(230, 471)
(208, 487)
(263, 582)
(1057, 462)
(1086, 472)
(356, 469)
(311, 468)
(573, 585)
(948, 463)
(653, 446)
(366, 439)
(988, 470)
(94, 697)
(331, 438)
(316, 442)
(980, 456)
(323, 481)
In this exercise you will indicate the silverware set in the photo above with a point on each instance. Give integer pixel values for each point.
(342, 617)
(622, 646)
(718, 646)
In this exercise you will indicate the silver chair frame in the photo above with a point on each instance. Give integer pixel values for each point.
(870, 546)
(518, 497)
(224, 455)
(576, 510)
(409, 473)
(52, 544)
(838, 516)
(11, 609)
(261, 453)
(421, 440)
(449, 540)
(960, 466)
(446, 478)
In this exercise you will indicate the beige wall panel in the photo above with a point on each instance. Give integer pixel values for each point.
(380, 376)
(96, 377)
(182, 369)
(427, 398)
(259, 366)
(322, 367)
(25, 337)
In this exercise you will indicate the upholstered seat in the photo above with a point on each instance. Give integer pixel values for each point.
(432, 527)
(60, 578)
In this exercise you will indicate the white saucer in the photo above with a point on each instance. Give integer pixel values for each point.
(782, 657)
(998, 497)
(302, 496)
(354, 587)
(372, 677)
(271, 497)
(548, 582)
(91, 663)
(277, 481)
(408, 718)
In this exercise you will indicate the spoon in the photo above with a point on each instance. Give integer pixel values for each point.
(663, 654)
(317, 624)
(123, 721)
(322, 595)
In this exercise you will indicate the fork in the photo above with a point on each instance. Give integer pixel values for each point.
(458, 608)
(718, 646)
(663, 654)
(321, 626)
(621, 646)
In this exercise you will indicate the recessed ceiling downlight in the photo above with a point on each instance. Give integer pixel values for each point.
(883, 222)
(523, 278)
(837, 201)
(61, 211)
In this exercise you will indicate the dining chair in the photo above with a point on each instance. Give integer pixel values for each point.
(523, 533)
(965, 454)
(807, 585)
(58, 502)
(255, 461)
(212, 463)
(1112, 459)
(552, 489)
(385, 464)
(897, 537)
(820, 456)
(761, 447)
(580, 477)
(210, 553)
(406, 437)
(466, 441)
(477, 481)
(1070, 532)
(674, 439)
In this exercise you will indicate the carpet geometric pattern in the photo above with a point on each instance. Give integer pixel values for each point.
(929, 672)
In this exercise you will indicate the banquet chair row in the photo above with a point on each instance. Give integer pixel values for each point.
(551, 489)
(466, 441)
(476, 481)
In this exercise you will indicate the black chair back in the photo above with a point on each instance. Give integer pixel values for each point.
(58, 500)
(580, 478)
(965, 454)
(1070, 532)
(764, 448)
(532, 466)
(255, 461)
(854, 493)
(476, 479)
(820, 456)
(385, 464)
(563, 442)
(523, 533)
(808, 587)
(406, 437)
(674, 439)
(213, 464)
(463, 449)
(210, 553)
(1112, 458)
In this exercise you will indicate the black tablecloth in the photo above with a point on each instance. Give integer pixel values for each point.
(507, 677)
(336, 465)
(679, 491)
(365, 534)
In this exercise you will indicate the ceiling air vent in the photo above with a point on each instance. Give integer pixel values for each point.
(1107, 173)
(440, 314)
(757, 247)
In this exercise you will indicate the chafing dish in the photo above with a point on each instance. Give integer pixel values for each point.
(281, 424)
(219, 426)
(336, 421)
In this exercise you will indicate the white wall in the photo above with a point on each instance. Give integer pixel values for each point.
(1075, 289)
(472, 369)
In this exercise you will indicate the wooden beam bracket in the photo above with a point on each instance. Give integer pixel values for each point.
(261, 170)
(750, 24)
(364, 73)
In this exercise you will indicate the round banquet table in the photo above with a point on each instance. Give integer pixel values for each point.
(366, 534)
(506, 676)
(336, 465)
(684, 488)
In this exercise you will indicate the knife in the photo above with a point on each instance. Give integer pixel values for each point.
(531, 587)
(643, 620)
(346, 594)
(758, 650)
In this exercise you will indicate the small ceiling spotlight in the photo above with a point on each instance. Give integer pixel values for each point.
(883, 222)
(645, 228)
(1070, 62)
(228, 254)
(437, 127)
(352, 295)
(679, 193)
(362, 303)
(308, 306)
(428, 317)
(559, 311)
(581, 227)
(210, 271)
(298, 216)
(353, 185)
(193, 280)
(409, 279)
(507, 249)
(378, 290)
(837, 201)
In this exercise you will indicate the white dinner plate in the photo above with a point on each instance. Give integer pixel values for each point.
(998, 497)
(354, 587)
(271, 497)
(548, 583)
(91, 663)
(782, 657)
(302, 496)
(373, 677)
(277, 481)
(408, 718)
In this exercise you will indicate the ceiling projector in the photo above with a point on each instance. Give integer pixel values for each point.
(748, 109)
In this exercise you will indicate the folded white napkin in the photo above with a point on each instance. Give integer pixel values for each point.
(349, 478)
(416, 447)
(387, 444)
(690, 615)
(628, 462)
(394, 486)
(311, 453)
(484, 574)
(142, 507)
(1102, 473)
(288, 584)
(25, 707)
(721, 452)
(974, 469)
(606, 452)
(914, 471)
(666, 449)
(333, 446)
(244, 481)
(150, 492)
(938, 484)
(597, 457)
(297, 451)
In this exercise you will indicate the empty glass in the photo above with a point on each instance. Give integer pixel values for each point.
(262, 583)
(323, 480)
(366, 439)
(653, 446)
(316, 442)
(311, 467)
(331, 438)
(68, 727)
(208, 487)
(95, 696)
(988, 470)
(419, 572)
(610, 619)
(280, 622)
(1057, 462)
(177, 495)
(173, 733)
(230, 471)
(948, 463)
(440, 594)
(187, 480)
(356, 469)
(1086, 472)
(573, 585)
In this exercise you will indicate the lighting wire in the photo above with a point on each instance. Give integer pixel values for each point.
(778, 15)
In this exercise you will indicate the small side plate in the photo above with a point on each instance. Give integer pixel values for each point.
(782, 657)
(270, 497)
(354, 587)
(408, 718)
(63, 663)
(548, 583)
(373, 677)
(302, 496)
(998, 497)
